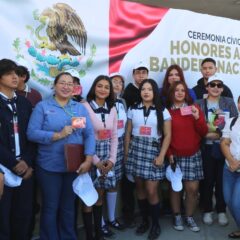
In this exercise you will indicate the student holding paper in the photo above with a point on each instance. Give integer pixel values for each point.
(103, 114)
(56, 123)
(188, 128)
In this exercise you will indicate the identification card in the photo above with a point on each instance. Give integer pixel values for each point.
(77, 90)
(78, 122)
(15, 128)
(145, 131)
(104, 134)
(186, 110)
(120, 124)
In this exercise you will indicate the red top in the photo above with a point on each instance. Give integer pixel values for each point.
(186, 133)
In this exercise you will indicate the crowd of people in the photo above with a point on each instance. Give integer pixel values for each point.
(134, 138)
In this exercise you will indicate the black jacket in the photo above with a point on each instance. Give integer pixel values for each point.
(131, 95)
(200, 90)
(7, 141)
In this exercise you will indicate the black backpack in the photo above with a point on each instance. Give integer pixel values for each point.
(233, 122)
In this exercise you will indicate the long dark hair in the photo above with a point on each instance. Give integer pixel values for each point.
(92, 96)
(166, 84)
(156, 102)
(171, 94)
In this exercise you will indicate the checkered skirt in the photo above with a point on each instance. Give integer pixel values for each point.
(118, 168)
(141, 154)
(191, 167)
(103, 152)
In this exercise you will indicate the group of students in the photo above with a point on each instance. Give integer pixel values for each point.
(129, 136)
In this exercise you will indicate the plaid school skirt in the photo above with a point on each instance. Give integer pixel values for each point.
(191, 166)
(118, 168)
(141, 154)
(103, 153)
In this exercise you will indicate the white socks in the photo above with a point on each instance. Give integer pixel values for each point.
(111, 205)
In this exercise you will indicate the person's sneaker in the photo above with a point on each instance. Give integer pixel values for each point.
(222, 219)
(116, 224)
(178, 222)
(208, 218)
(154, 232)
(192, 224)
(142, 228)
(106, 232)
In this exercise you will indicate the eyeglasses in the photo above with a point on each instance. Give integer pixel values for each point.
(64, 84)
(213, 85)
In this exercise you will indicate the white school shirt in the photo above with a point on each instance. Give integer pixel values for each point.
(234, 136)
(15, 124)
(122, 116)
(136, 115)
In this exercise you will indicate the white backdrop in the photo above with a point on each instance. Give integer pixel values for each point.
(181, 36)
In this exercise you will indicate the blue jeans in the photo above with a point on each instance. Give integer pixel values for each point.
(231, 191)
(57, 212)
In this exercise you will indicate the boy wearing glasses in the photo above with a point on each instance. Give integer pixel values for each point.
(208, 69)
(217, 110)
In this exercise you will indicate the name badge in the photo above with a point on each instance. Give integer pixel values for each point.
(77, 90)
(15, 128)
(186, 110)
(104, 134)
(120, 124)
(145, 131)
(78, 122)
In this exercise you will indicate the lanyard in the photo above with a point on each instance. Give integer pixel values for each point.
(146, 113)
(117, 108)
(69, 113)
(100, 110)
(103, 119)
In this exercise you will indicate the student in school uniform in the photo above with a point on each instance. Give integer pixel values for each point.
(147, 139)
(103, 114)
(188, 129)
(111, 195)
(16, 153)
(131, 95)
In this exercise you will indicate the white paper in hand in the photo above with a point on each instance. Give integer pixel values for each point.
(10, 179)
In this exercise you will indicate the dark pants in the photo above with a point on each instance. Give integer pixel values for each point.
(128, 198)
(213, 177)
(58, 207)
(16, 211)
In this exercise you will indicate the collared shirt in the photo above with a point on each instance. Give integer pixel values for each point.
(138, 120)
(15, 124)
(234, 136)
(122, 116)
(48, 118)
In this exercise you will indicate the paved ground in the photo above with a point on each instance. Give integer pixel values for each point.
(213, 232)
